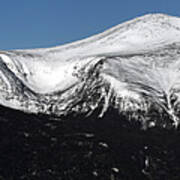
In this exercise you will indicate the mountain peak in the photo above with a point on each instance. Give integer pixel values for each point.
(133, 67)
(146, 32)
(156, 15)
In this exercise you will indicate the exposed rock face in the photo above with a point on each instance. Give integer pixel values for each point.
(133, 67)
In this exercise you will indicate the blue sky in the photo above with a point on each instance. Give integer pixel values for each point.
(45, 23)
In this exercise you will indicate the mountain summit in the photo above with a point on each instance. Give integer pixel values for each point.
(133, 67)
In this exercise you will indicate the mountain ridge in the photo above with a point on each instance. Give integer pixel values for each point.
(133, 67)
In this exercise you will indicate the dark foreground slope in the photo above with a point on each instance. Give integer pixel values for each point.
(37, 148)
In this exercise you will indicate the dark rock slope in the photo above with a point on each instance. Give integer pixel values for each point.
(77, 148)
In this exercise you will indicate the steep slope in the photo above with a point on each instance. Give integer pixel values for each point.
(133, 67)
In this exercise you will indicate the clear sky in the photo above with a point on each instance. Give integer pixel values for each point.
(45, 23)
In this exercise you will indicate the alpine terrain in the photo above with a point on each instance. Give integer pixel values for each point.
(133, 67)
(103, 108)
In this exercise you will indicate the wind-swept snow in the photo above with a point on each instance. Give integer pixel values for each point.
(132, 66)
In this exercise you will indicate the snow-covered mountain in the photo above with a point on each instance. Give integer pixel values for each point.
(133, 67)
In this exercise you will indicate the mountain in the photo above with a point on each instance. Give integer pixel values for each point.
(133, 68)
